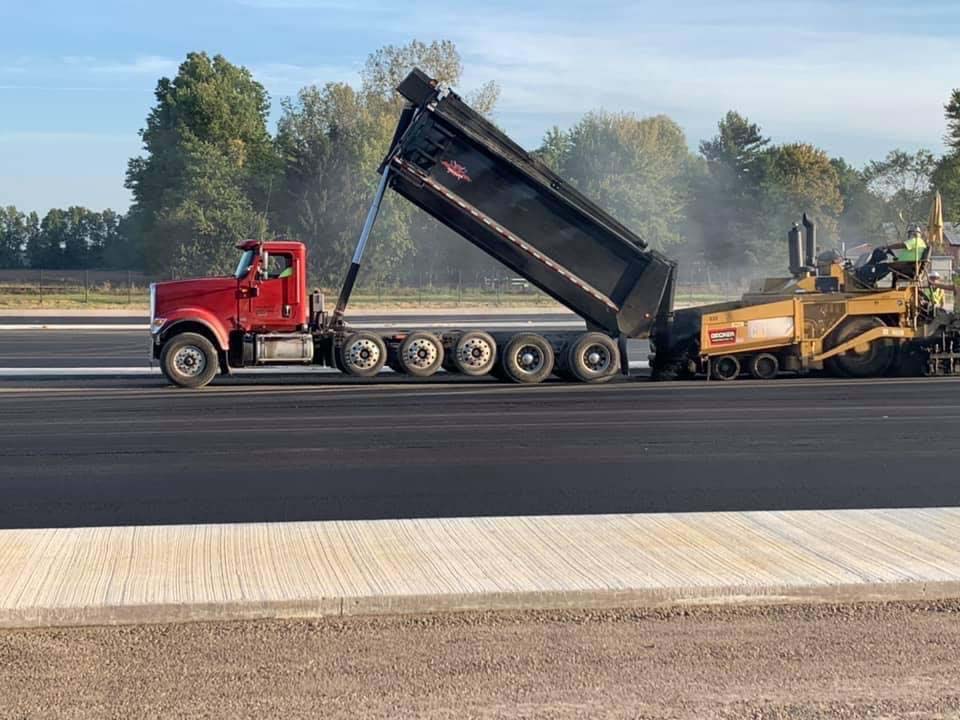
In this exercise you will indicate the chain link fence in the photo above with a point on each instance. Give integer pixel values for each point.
(26, 286)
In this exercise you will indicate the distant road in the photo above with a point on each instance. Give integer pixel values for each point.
(75, 320)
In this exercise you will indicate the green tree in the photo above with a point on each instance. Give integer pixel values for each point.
(119, 249)
(728, 216)
(946, 174)
(636, 168)
(863, 209)
(430, 247)
(902, 179)
(801, 179)
(737, 153)
(388, 66)
(46, 247)
(79, 236)
(331, 141)
(212, 112)
(952, 112)
(16, 230)
(554, 149)
(946, 179)
(207, 213)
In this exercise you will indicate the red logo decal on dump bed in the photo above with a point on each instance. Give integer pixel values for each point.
(455, 169)
(726, 336)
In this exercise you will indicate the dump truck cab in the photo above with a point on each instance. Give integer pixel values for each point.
(272, 286)
(267, 294)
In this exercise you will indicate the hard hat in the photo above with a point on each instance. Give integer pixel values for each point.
(914, 230)
(933, 275)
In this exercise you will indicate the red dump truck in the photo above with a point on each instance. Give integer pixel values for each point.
(450, 161)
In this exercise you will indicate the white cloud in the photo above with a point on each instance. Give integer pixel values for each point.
(802, 83)
(283, 79)
(153, 65)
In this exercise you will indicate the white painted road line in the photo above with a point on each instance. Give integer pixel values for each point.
(148, 371)
(423, 323)
(64, 326)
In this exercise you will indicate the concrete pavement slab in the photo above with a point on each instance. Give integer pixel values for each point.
(146, 574)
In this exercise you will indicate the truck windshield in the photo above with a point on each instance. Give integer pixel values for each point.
(244, 265)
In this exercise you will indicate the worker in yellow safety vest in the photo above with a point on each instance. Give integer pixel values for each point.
(911, 250)
(934, 292)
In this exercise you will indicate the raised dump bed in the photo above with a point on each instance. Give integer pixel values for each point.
(456, 165)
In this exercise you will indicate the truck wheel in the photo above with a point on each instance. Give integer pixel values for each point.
(420, 354)
(872, 360)
(593, 358)
(527, 358)
(362, 354)
(725, 367)
(474, 353)
(763, 366)
(189, 360)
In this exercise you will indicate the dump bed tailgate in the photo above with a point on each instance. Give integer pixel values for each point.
(449, 160)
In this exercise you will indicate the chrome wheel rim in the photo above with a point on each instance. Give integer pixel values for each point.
(363, 354)
(190, 361)
(420, 353)
(529, 359)
(596, 358)
(475, 353)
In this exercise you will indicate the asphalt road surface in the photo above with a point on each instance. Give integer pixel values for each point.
(116, 452)
(807, 663)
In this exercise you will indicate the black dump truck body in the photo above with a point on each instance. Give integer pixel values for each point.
(457, 166)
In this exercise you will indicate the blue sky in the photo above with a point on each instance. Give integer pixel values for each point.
(856, 78)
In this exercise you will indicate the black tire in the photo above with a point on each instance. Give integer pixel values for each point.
(420, 354)
(189, 360)
(763, 366)
(912, 361)
(874, 362)
(593, 358)
(474, 353)
(527, 358)
(362, 354)
(725, 367)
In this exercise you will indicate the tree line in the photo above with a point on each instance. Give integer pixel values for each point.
(212, 173)
(74, 238)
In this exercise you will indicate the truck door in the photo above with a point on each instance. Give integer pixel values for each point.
(274, 304)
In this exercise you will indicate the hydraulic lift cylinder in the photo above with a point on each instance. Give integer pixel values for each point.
(351, 278)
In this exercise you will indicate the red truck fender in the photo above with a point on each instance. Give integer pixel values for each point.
(179, 321)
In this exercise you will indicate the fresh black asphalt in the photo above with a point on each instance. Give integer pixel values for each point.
(117, 452)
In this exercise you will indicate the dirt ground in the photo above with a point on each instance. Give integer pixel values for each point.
(817, 661)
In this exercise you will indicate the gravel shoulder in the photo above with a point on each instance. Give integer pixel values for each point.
(885, 660)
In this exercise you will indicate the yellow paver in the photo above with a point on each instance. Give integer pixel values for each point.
(106, 575)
